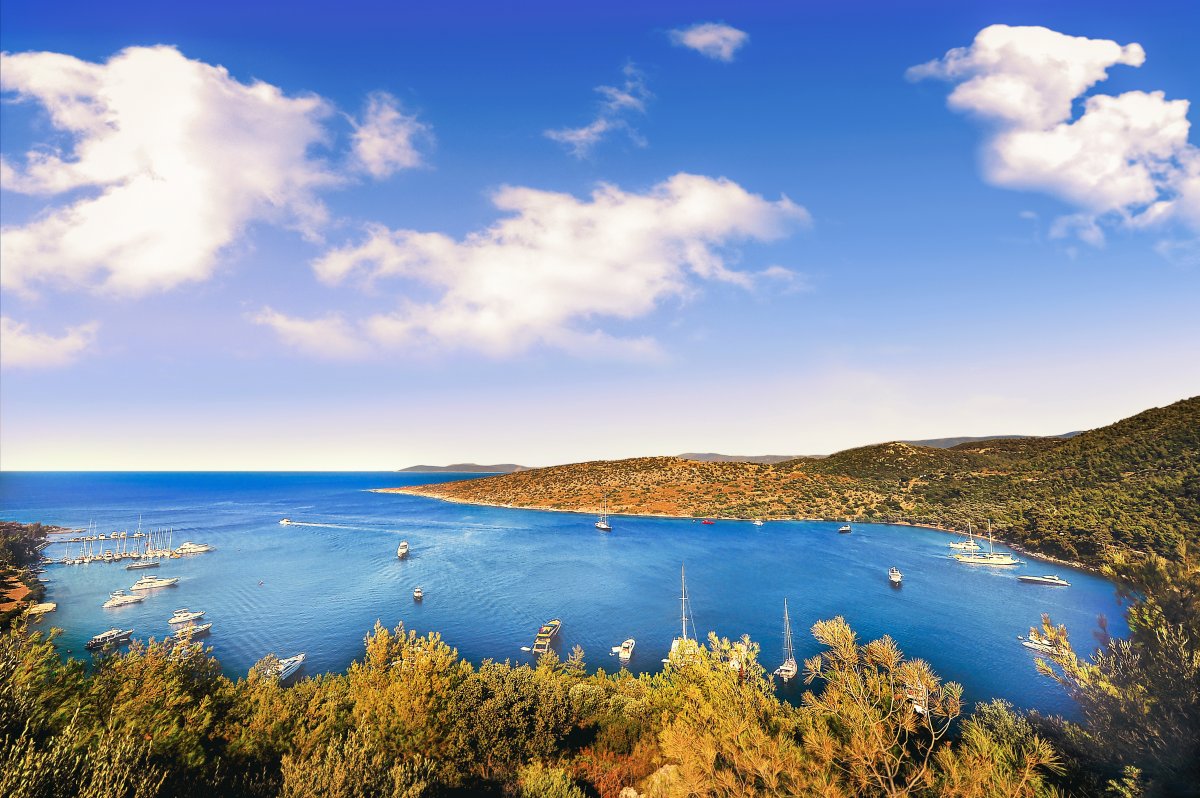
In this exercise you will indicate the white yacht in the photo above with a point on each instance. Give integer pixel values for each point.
(137, 566)
(624, 651)
(194, 548)
(1039, 646)
(418, 594)
(789, 668)
(290, 665)
(185, 615)
(966, 545)
(192, 630)
(152, 582)
(894, 575)
(989, 557)
(757, 522)
(1048, 579)
(119, 598)
(845, 529)
(110, 638)
(402, 549)
(602, 521)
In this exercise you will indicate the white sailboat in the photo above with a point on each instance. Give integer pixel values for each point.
(602, 522)
(966, 545)
(990, 558)
(789, 668)
(683, 642)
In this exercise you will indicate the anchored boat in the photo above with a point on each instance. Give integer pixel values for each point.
(602, 521)
(1048, 579)
(402, 550)
(894, 575)
(185, 615)
(624, 651)
(541, 643)
(789, 668)
(119, 598)
(110, 638)
(153, 582)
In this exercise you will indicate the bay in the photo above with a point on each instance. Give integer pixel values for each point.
(492, 575)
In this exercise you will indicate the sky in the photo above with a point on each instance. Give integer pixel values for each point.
(243, 236)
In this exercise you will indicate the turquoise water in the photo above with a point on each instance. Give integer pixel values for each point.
(492, 575)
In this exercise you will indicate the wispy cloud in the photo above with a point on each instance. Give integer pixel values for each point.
(21, 347)
(715, 40)
(327, 337)
(618, 103)
(555, 265)
(387, 139)
(1124, 160)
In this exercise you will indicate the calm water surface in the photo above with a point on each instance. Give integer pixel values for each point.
(492, 575)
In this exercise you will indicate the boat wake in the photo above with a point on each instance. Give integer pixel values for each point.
(314, 523)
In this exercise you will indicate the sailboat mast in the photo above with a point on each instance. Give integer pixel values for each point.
(683, 603)
(787, 633)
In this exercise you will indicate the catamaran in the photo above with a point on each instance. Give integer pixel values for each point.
(683, 641)
(788, 669)
(990, 558)
(602, 521)
(541, 643)
(966, 545)
(1048, 579)
(402, 550)
(894, 575)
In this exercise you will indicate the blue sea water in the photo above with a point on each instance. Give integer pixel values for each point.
(492, 575)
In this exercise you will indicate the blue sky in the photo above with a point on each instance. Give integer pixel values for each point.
(389, 235)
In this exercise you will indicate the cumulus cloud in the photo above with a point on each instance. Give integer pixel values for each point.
(1125, 159)
(21, 347)
(555, 265)
(617, 104)
(387, 139)
(712, 39)
(170, 159)
(328, 337)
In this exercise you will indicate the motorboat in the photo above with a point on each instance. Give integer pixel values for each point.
(289, 666)
(757, 522)
(185, 615)
(418, 594)
(624, 651)
(541, 643)
(136, 566)
(402, 549)
(192, 630)
(894, 575)
(193, 548)
(845, 529)
(119, 598)
(708, 521)
(1048, 579)
(110, 638)
(286, 521)
(1040, 646)
(152, 582)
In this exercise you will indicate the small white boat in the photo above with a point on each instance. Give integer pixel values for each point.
(185, 615)
(894, 575)
(119, 598)
(418, 594)
(193, 548)
(757, 522)
(602, 521)
(192, 630)
(135, 566)
(286, 521)
(1037, 645)
(789, 668)
(1048, 579)
(153, 582)
(110, 638)
(290, 665)
(402, 549)
(845, 529)
(624, 651)
(966, 545)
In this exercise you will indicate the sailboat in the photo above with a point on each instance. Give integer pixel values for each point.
(990, 558)
(683, 641)
(788, 669)
(966, 545)
(602, 522)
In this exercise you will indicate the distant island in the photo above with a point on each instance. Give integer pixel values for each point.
(469, 468)
(949, 443)
(1129, 485)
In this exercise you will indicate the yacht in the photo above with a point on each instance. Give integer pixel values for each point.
(152, 582)
(602, 521)
(683, 641)
(135, 566)
(191, 630)
(966, 545)
(894, 575)
(789, 668)
(185, 615)
(290, 665)
(119, 598)
(402, 549)
(418, 594)
(624, 651)
(845, 529)
(541, 643)
(194, 548)
(1048, 579)
(110, 638)
(1040, 646)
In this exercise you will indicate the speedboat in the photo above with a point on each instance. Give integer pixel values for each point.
(191, 630)
(845, 529)
(402, 549)
(541, 643)
(418, 594)
(290, 665)
(624, 651)
(286, 521)
(194, 548)
(757, 522)
(894, 575)
(1048, 579)
(707, 521)
(152, 582)
(134, 566)
(119, 598)
(185, 615)
(110, 638)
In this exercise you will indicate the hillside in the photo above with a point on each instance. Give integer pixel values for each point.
(467, 468)
(1135, 484)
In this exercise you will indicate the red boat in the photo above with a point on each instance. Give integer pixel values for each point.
(706, 521)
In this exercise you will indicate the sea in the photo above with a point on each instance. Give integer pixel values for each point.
(491, 576)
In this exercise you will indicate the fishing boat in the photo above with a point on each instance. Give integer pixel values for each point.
(624, 651)
(192, 630)
(1048, 579)
(845, 529)
(789, 668)
(185, 615)
(602, 521)
(119, 598)
(1040, 646)
(152, 582)
(683, 641)
(418, 594)
(137, 566)
(894, 575)
(541, 643)
(966, 545)
(402, 550)
(193, 548)
(988, 558)
(110, 638)
(289, 666)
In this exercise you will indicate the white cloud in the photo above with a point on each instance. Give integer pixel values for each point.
(21, 347)
(173, 158)
(388, 140)
(329, 337)
(631, 97)
(712, 39)
(1125, 159)
(555, 265)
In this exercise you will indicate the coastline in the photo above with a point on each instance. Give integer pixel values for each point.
(416, 491)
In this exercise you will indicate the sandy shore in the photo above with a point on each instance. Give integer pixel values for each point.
(416, 491)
